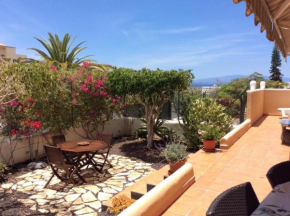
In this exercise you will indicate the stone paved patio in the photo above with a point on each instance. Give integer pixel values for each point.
(85, 199)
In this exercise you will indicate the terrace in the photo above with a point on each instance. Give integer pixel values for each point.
(246, 153)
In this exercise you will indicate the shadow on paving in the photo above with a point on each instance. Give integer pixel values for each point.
(16, 204)
(139, 151)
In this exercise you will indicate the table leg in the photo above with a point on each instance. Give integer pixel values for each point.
(92, 162)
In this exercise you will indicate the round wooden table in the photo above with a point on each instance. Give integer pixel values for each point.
(73, 146)
(86, 153)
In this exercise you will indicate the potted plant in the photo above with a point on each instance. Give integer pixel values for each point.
(209, 133)
(176, 155)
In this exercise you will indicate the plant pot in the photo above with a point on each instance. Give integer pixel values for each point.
(209, 145)
(175, 166)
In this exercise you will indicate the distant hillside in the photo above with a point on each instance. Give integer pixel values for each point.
(224, 79)
(215, 80)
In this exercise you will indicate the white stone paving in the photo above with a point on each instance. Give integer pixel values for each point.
(84, 199)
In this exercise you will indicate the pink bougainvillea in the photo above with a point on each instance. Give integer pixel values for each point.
(74, 102)
(13, 103)
(85, 64)
(53, 68)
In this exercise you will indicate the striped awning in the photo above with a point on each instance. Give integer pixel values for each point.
(274, 16)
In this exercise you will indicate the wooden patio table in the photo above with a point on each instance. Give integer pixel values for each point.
(277, 202)
(86, 153)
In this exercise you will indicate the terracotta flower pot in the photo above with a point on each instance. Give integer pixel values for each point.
(209, 145)
(175, 166)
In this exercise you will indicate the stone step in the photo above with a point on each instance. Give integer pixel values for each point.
(140, 187)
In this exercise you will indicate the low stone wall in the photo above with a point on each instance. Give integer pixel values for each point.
(22, 149)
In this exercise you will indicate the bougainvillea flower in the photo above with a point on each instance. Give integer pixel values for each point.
(13, 103)
(89, 79)
(73, 78)
(30, 100)
(93, 112)
(118, 97)
(53, 68)
(114, 100)
(100, 82)
(74, 102)
(122, 105)
(85, 64)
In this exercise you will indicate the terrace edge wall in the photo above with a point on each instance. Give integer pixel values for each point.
(259, 102)
(117, 126)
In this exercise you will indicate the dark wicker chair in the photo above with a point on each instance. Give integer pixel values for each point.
(61, 168)
(279, 173)
(239, 200)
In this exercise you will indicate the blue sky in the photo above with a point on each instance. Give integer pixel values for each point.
(213, 38)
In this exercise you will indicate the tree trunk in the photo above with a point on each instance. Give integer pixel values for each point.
(150, 132)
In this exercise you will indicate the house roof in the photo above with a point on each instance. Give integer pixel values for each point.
(3, 45)
(274, 16)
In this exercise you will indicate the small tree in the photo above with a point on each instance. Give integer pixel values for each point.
(151, 89)
(275, 73)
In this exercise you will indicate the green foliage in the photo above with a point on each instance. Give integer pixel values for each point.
(275, 72)
(147, 86)
(3, 169)
(56, 98)
(151, 89)
(60, 53)
(209, 131)
(175, 152)
(158, 129)
(276, 84)
(199, 110)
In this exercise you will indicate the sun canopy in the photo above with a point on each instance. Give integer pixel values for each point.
(274, 16)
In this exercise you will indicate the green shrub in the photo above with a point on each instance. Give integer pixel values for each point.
(2, 170)
(209, 131)
(175, 152)
(198, 110)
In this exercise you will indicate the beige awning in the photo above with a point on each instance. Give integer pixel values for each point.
(274, 16)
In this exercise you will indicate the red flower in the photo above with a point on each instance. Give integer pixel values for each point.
(122, 105)
(118, 97)
(74, 102)
(114, 100)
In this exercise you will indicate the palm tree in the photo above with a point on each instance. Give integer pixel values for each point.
(59, 53)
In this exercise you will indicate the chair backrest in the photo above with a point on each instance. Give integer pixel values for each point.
(279, 173)
(238, 200)
(106, 137)
(54, 155)
(58, 139)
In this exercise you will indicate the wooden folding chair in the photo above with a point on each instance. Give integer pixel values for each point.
(57, 162)
(107, 138)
